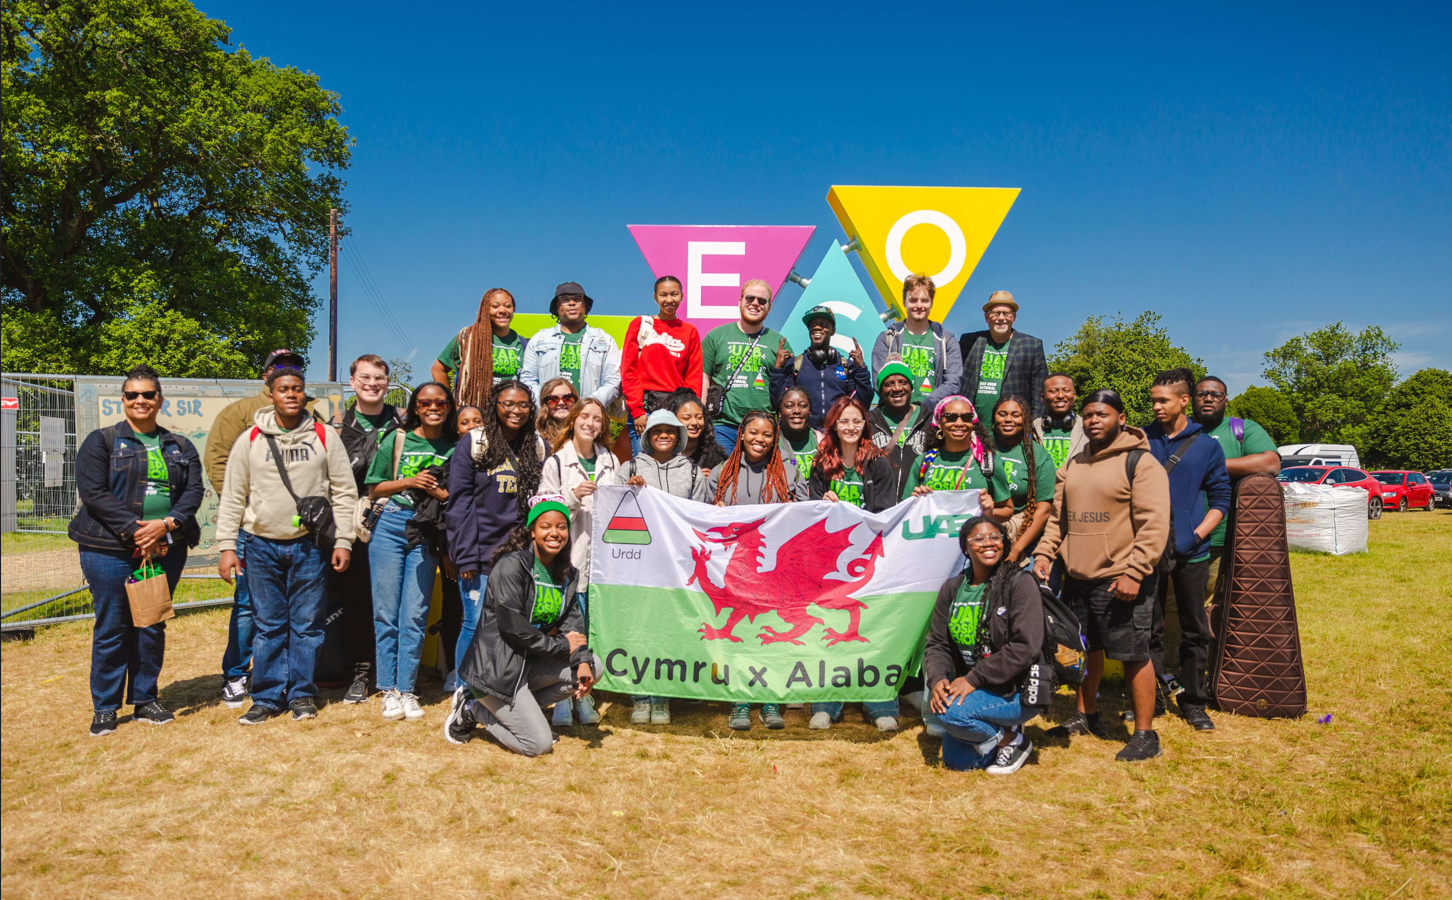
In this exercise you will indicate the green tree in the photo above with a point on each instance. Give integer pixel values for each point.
(159, 186)
(1125, 356)
(1270, 410)
(1334, 380)
(1412, 429)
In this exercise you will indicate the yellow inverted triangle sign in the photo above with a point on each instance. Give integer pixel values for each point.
(937, 231)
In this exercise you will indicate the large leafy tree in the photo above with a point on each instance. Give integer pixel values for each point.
(1270, 410)
(165, 195)
(1125, 356)
(1334, 379)
(1412, 429)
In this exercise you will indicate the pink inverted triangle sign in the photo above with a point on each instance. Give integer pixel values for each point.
(713, 261)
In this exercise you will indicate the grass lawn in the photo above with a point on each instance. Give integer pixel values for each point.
(349, 805)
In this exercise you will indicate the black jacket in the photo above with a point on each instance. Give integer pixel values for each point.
(1015, 639)
(878, 481)
(1025, 374)
(362, 444)
(505, 639)
(900, 458)
(822, 384)
(111, 482)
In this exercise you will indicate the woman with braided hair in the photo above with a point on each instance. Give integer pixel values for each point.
(755, 472)
(956, 456)
(484, 352)
(1023, 475)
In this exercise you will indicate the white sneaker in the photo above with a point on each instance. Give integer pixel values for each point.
(886, 723)
(660, 712)
(640, 713)
(392, 705)
(564, 714)
(820, 721)
(796, 706)
(585, 711)
(411, 709)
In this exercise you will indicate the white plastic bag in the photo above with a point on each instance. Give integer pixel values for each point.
(1322, 519)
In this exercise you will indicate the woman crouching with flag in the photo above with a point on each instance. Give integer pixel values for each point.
(529, 649)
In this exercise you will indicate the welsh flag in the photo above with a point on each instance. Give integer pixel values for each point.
(793, 602)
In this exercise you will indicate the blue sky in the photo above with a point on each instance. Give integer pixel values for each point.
(1249, 174)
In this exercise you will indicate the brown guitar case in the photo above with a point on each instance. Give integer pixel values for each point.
(1257, 669)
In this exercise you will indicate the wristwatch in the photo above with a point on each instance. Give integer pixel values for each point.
(171, 524)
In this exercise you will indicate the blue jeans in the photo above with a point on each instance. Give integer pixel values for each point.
(725, 436)
(472, 592)
(240, 629)
(634, 438)
(975, 726)
(124, 659)
(876, 709)
(403, 585)
(288, 580)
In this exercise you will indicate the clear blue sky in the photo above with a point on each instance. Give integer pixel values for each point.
(1249, 171)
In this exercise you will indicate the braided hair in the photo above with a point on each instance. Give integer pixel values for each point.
(1027, 437)
(776, 489)
(936, 441)
(491, 450)
(476, 354)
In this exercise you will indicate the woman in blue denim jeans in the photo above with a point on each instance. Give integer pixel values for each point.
(140, 487)
(403, 566)
(987, 629)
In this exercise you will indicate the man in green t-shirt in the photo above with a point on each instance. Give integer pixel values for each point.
(737, 358)
(1002, 361)
(927, 349)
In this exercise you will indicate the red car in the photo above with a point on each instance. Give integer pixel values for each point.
(1341, 476)
(1403, 490)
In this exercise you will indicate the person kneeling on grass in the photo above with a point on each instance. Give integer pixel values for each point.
(987, 628)
(529, 649)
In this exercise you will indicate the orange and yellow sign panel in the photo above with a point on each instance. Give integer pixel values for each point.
(937, 231)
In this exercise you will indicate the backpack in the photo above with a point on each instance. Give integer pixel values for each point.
(1065, 647)
(366, 512)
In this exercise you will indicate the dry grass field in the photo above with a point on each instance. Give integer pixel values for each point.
(349, 805)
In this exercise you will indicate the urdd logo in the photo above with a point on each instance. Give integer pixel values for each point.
(627, 526)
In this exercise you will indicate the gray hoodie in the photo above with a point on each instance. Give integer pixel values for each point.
(751, 479)
(680, 477)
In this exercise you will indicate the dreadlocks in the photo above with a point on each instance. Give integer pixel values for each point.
(1026, 439)
(775, 489)
(476, 354)
(491, 450)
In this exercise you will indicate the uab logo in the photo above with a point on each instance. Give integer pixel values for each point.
(933, 527)
(994, 364)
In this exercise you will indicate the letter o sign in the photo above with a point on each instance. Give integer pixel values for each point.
(957, 246)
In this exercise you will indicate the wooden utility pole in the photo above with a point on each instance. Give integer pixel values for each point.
(332, 295)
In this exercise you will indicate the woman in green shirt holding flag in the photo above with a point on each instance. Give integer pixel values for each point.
(957, 456)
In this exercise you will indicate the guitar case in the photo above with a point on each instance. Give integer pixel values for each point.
(1257, 669)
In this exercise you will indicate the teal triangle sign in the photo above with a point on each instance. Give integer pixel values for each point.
(836, 285)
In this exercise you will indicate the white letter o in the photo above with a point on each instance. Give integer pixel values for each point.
(957, 246)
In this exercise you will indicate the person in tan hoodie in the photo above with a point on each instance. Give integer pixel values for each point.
(1109, 527)
(285, 566)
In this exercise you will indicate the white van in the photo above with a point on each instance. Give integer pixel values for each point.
(1319, 455)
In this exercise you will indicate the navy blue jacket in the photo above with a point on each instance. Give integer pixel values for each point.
(839, 376)
(1198, 484)
(483, 508)
(111, 482)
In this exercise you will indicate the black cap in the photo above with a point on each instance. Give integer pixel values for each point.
(284, 357)
(569, 287)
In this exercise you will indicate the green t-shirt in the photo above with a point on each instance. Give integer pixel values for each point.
(805, 452)
(548, 597)
(506, 355)
(1057, 441)
(418, 454)
(964, 615)
(589, 466)
(947, 473)
(156, 502)
(1010, 475)
(1256, 440)
(371, 423)
(912, 419)
(848, 487)
(570, 356)
(724, 350)
(920, 353)
(990, 378)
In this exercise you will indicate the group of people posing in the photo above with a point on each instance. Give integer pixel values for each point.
(488, 475)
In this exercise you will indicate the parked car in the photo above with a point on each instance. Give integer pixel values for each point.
(1339, 476)
(1441, 486)
(1403, 490)
(1319, 455)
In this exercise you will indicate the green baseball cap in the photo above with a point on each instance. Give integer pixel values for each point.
(818, 312)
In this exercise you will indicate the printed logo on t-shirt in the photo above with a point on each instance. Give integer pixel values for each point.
(506, 359)
(1010, 473)
(750, 367)
(923, 362)
(848, 491)
(964, 616)
(156, 476)
(1058, 447)
(947, 476)
(415, 461)
(570, 356)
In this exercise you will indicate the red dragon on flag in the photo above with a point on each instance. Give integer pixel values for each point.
(798, 581)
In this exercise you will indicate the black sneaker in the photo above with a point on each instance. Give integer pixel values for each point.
(256, 714)
(234, 691)
(358, 690)
(1144, 745)
(153, 713)
(459, 724)
(103, 723)
(1197, 717)
(303, 708)
(1080, 723)
(771, 716)
(1011, 758)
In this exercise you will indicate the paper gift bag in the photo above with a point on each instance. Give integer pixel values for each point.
(150, 595)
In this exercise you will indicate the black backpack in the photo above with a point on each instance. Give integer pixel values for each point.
(1065, 647)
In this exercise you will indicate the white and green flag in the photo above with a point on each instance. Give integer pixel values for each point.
(792, 602)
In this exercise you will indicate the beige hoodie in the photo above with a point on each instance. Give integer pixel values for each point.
(254, 497)
(1113, 527)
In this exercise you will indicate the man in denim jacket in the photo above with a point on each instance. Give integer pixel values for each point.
(586, 355)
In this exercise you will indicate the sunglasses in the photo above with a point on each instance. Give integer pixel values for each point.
(1211, 395)
(432, 404)
(755, 301)
(132, 395)
(560, 399)
(949, 418)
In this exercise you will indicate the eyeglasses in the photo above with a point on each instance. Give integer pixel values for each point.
(514, 404)
(986, 540)
(132, 395)
(432, 404)
(381, 379)
(949, 418)
(1210, 395)
(560, 399)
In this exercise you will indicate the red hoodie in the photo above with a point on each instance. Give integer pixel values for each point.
(667, 356)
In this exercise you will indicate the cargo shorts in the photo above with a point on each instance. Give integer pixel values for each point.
(1119, 628)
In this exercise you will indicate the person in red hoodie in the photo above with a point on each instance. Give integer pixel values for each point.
(661, 353)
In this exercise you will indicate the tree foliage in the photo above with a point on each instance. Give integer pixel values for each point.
(1334, 380)
(1412, 429)
(1270, 410)
(1125, 356)
(159, 186)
